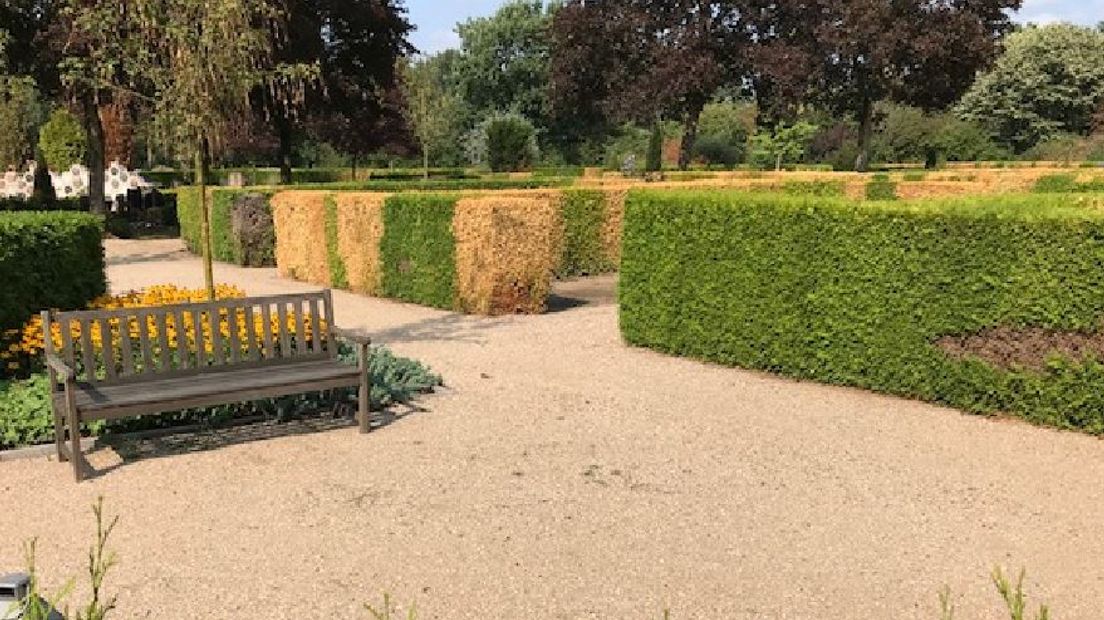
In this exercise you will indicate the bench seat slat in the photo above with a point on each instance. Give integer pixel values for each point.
(225, 385)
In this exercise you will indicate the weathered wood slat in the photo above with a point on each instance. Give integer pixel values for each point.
(316, 327)
(107, 348)
(144, 338)
(253, 345)
(88, 354)
(163, 341)
(266, 332)
(218, 353)
(327, 297)
(69, 352)
(300, 332)
(235, 338)
(282, 329)
(127, 344)
(181, 339)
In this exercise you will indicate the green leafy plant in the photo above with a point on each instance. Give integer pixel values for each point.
(100, 562)
(1013, 596)
(390, 611)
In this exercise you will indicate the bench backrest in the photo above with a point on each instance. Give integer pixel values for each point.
(128, 344)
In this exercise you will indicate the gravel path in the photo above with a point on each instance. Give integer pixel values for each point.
(565, 475)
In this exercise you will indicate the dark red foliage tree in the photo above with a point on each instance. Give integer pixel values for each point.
(849, 54)
(356, 44)
(618, 60)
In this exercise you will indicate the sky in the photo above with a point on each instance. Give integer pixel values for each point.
(437, 19)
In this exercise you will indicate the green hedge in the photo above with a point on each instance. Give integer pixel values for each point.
(48, 260)
(225, 247)
(339, 276)
(442, 185)
(856, 294)
(418, 249)
(584, 213)
(37, 204)
(881, 187)
(1066, 183)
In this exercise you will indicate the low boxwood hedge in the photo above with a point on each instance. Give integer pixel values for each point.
(48, 260)
(858, 294)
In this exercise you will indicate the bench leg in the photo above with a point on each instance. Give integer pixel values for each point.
(74, 444)
(365, 396)
(59, 431)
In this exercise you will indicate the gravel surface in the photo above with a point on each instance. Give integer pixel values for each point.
(564, 475)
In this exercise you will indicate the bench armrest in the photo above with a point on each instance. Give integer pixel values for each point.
(353, 337)
(58, 365)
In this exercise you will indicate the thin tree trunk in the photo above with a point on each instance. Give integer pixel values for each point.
(201, 163)
(285, 149)
(689, 136)
(94, 132)
(354, 158)
(866, 131)
(425, 162)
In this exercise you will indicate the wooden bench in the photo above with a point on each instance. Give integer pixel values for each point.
(138, 361)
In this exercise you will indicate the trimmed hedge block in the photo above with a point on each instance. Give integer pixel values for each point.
(479, 253)
(860, 294)
(227, 245)
(48, 260)
(418, 249)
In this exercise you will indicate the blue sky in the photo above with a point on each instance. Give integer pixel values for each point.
(436, 19)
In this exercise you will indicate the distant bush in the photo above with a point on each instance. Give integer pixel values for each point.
(860, 293)
(654, 161)
(813, 188)
(62, 141)
(881, 187)
(504, 143)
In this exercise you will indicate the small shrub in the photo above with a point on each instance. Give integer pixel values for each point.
(505, 143)
(62, 141)
(1056, 183)
(813, 188)
(881, 187)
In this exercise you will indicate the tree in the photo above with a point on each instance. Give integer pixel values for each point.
(1048, 80)
(504, 142)
(503, 61)
(431, 108)
(355, 44)
(723, 132)
(786, 144)
(654, 161)
(639, 59)
(206, 57)
(20, 115)
(851, 54)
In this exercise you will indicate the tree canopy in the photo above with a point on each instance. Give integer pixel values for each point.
(1048, 80)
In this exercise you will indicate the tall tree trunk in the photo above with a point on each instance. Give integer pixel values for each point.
(286, 145)
(202, 159)
(689, 135)
(425, 162)
(93, 129)
(866, 131)
(354, 162)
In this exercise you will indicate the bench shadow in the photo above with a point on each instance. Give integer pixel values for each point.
(160, 443)
(451, 328)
